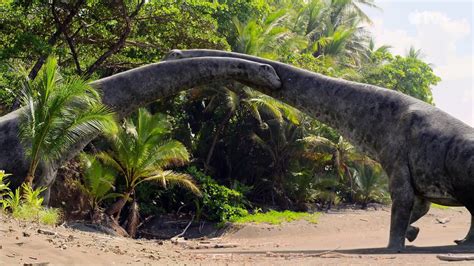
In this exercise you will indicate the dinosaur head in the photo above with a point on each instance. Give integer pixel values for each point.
(174, 54)
(268, 75)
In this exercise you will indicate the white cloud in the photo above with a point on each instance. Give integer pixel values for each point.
(438, 34)
(439, 37)
(454, 27)
(398, 39)
(456, 67)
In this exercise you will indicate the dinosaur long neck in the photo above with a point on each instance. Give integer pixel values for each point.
(364, 114)
(127, 91)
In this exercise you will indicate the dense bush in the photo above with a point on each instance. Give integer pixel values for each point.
(218, 203)
(25, 203)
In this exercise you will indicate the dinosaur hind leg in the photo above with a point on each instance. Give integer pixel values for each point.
(420, 208)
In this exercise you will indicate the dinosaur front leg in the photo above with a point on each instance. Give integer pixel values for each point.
(420, 208)
(403, 198)
(469, 239)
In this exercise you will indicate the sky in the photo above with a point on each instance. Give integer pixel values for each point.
(443, 30)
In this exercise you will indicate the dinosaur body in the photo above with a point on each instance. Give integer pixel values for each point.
(427, 154)
(127, 91)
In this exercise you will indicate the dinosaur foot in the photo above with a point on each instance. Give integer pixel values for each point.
(465, 242)
(412, 233)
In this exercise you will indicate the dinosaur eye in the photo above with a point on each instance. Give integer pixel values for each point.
(175, 54)
(265, 67)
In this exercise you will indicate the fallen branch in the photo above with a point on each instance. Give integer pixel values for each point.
(451, 257)
(174, 239)
(145, 221)
(323, 253)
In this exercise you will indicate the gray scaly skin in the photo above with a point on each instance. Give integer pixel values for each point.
(127, 91)
(427, 154)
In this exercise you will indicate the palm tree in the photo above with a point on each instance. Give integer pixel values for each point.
(57, 114)
(343, 156)
(140, 151)
(279, 139)
(265, 38)
(414, 53)
(333, 28)
(369, 179)
(254, 102)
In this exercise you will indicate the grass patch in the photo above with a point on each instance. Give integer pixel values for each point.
(48, 216)
(437, 206)
(276, 218)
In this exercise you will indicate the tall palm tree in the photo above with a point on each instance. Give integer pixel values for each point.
(141, 151)
(266, 37)
(58, 112)
(333, 28)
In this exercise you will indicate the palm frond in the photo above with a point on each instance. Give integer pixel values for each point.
(171, 177)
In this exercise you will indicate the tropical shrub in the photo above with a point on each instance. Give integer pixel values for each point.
(371, 184)
(218, 203)
(98, 181)
(140, 151)
(27, 204)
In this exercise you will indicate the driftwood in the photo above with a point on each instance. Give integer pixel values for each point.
(175, 238)
(452, 257)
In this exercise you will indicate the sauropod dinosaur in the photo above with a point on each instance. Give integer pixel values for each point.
(427, 154)
(129, 90)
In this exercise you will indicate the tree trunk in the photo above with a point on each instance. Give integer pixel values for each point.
(29, 179)
(115, 209)
(133, 219)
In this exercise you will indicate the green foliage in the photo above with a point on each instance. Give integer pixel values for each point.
(49, 216)
(27, 205)
(31, 197)
(58, 114)
(409, 75)
(371, 184)
(11, 200)
(3, 184)
(98, 181)
(141, 151)
(241, 10)
(276, 218)
(441, 207)
(218, 203)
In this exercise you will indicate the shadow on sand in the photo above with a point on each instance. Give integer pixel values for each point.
(454, 249)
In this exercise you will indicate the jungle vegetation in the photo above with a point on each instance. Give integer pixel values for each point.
(230, 151)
